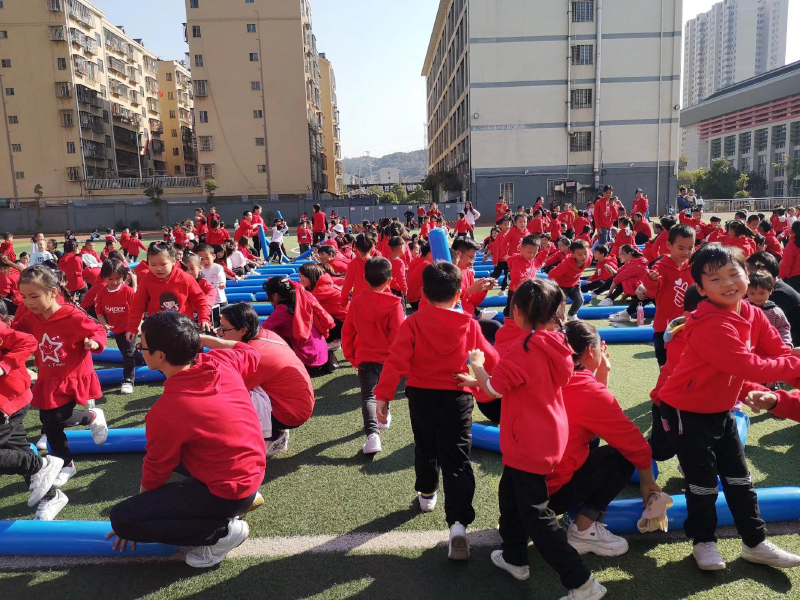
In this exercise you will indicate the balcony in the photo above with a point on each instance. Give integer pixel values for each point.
(126, 136)
(133, 75)
(136, 183)
(151, 85)
(156, 126)
(135, 97)
(154, 106)
(188, 153)
(55, 5)
(124, 114)
(93, 150)
(58, 33)
(185, 115)
(150, 64)
(63, 89)
(88, 96)
(92, 123)
(186, 135)
(81, 13)
(119, 89)
(115, 64)
(158, 146)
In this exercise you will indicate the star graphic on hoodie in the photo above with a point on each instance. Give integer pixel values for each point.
(49, 349)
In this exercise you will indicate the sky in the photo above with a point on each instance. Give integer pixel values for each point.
(377, 48)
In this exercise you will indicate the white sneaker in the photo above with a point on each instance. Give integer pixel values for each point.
(620, 317)
(126, 388)
(520, 573)
(767, 553)
(208, 556)
(99, 427)
(427, 505)
(41, 443)
(597, 540)
(606, 302)
(388, 424)
(573, 318)
(458, 548)
(373, 444)
(90, 404)
(708, 557)
(49, 509)
(66, 473)
(591, 590)
(43, 479)
(489, 314)
(278, 445)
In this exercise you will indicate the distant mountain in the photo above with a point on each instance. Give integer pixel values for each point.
(413, 165)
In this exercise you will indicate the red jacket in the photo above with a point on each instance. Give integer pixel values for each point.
(533, 424)
(371, 327)
(790, 264)
(507, 336)
(725, 349)
(318, 222)
(246, 229)
(556, 256)
(631, 275)
(7, 248)
(114, 306)
(217, 237)
(66, 369)
(497, 248)
(209, 291)
(354, 279)
(16, 348)
(219, 443)
(642, 227)
(511, 243)
(669, 291)
(657, 248)
(399, 282)
(567, 217)
(9, 285)
(778, 223)
(603, 274)
(698, 226)
(89, 297)
(788, 406)
(773, 244)
(580, 223)
(177, 293)
(304, 235)
(745, 244)
(91, 252)
(470, 303)
(500, 210)
(640, 205)
(602, 214)
(535, 225)
(124, 239)
(284, 378)
(72, 266)
(675, 347)
(714, 234)
(329, 295)
(593, 411)
(554, 229)
(567, 274)
(624, 237)
(135, 246)
(522, 269)
(462, 227)
(432, 345)
(415, 279)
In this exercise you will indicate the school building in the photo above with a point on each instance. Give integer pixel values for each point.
(555, 99)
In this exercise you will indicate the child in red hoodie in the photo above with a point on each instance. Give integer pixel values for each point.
(790, 264)
(399, 283)
(204, 423)
(16, 455)
(304, 237)
(354, 278)
(728, 343)
(630, 275)
(568, 275)
(66, 338)
(422, 257)
(525, 264)
(369, 331)
(432, 345)
(529, 377)
(112, 304)
(603, 276)
(135, 246)
(499, 261)
(314, 279)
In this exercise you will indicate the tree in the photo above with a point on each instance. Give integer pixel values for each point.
(741, 185)
(756, 185)
(154, 192)
(691, 179)
(211, 187)
(400, 191)
(387, 198)
(791, 167)
(39, 191)
(419, 196)
(719, 182)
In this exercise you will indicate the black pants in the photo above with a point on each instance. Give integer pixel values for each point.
(489, 328)
(318, 237)
(275, 251)
(661, 350)
(184, 513)
(502, 268)
(414, 305)
(641, 239)
(525, 514)
(660, 441)
(304, 248)
(53, 423)
(325, 369)
(794, 282)
(598, 287)
(128, 350)
(592, 487)
(441, 421)
(507, 309)
(491, 410)
(368, 375)
(278, 428)
(708, 446)
(256, 244)
(577, 298)
(633, 305)
(16, 456)
(336, 333)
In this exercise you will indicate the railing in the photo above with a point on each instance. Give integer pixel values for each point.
(748, 204)
(81, 13)
(125, 136)
(158, 146)
(134, 183)
(156, 126)
(153, 105)
(94, 150)
(151, 85)
(58, 33)
(117, 65)
(63, 89)
(88, 96)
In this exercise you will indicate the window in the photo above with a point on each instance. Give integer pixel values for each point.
(105, 116)
(16, 147)
(730, 145)
(262, 168)
(201, 87)
(172, 114)
(3, 35)
(249, 1)
(507, 192)
(19, 175)
(255, 86)
(100, 66)
(745, 142)
(778, 188)
(196, 31)
(198, 60)
(583, 54)
(70, 147)
(780, 165)
(13, 120)
(581, 98)
(194, 3)
(259, 141)
(716, 148)
(176, 151)
(206, 143)
(745, 165)
(583, 12)
(73, 174)
(1, 3)
(580, 142)
(102, 91)
(171, 95)
(762, 166)
(66, 118)
(204, 116)
(208, 171)
(761, 140)
(174, 133)
(5, 63)
(9, 91)
(169, 76)
(251, 28)
(257, 114)
(254, 57)
(177, 169)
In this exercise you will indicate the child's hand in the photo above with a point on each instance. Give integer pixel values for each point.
(641, 293)
(465, 380)
(605, 357)
(759, 401)
(382, 411)
(90, 344)
(130, 337)
(796, 351)
(221, 285)
(653, 275)
(647, 489)
(477, 358)
(205, 326)
(7, 321)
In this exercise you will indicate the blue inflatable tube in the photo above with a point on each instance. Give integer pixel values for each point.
(486, 437)
(262, 234)
(119, 441)
(627, 335)
(603, 312)
(263, 310)
(240, 297)
(114, 376)
(111, 355)
(305, 254)
(439, 246)
(494, 301)
(742, 424)
(280, 216)
(635, 476)
(67, 538)
(777, 504)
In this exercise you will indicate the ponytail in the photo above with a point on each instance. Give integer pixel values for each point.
(540, 301)
(283, 287)
(581, 336)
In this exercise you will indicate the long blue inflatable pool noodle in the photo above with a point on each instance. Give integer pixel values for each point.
(486, 437)
(263, 237)
(239, 297)
(305, 254)
(114, 376)
(494, 301)
(440, 249)
(119, 441)
(263, 310)
(280, 216)
(67, 538)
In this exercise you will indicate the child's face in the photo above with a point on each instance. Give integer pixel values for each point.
(89, 246)
(580, 256)
(520, 223)
(724, 287)
(466, 259)
(528, 251)
(113, 281)
(193, 268)
(682, 249)
(399, 251)
(51, 246)
(624, 257)
(178, 255)
(161, 264)
(563, 247)
(324, 258)
(305, 281)
(36, 299)
(505, 226)
(598, 256)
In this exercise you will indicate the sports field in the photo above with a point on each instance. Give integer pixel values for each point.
(331, 504)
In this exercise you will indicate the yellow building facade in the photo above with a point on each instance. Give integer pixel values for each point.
(331, 146)
(180, 153)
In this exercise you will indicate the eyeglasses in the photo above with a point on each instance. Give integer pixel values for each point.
(221, 330)
(140, 348)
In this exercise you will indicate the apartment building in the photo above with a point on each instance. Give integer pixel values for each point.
(177, 103)
(81, 105)
(331, 147)
(256, 76)
(554, 99)
(734, 41)
(755, 125)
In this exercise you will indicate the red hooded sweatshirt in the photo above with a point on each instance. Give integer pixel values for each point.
(535, 225)
(631, 275)
(593, 411)
(371, 327)
(773, 245)
(497, 248)
(16, 348)
(399, 281)
(507, 336)
(135, 246)
(790, 264)
(177, 293)
(66, 369)
(329, 296)
(7, 248)
(567, 274)
(725, 349)
(603, 274)
(114, 306)
(675, 347)
(522, 269)
(430, 347)
(745, 244)
(354, 279)
(511, 243)
(470, 303)
(657, 248)
(640, 205)
(9, 285)
(72, 266)
(788, 406)
(643, 227)
(625, 236)
(218, 441)
(669, 291)
(602, 214)
(533, 425)
(415, 279)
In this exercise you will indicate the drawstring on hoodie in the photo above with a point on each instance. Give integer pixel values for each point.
(680, 423)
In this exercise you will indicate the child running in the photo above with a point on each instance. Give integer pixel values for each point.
(112, 304)
(568, 275)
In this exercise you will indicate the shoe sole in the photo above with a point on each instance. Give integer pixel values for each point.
(759, 561)
(459, 548)
(583, 548)
(60, 508)
(716, 567)
(59, 485)
(34, 500)
(504, 564)
(216, 561)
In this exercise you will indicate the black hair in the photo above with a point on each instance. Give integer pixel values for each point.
(326, 249)
(312, 272)
(3, 310)
(608, 188)
(174, 334)
(242, 316)
(638, 214)
(531, 240)
(111, 266)
(377, 271)
(285, 290)
(364, 243)
(624, 220)
(46, 276)
(764, 261)
(740, 214)
(518, 215)
(602, 249)
(70, 247)
(396, 242)
(715, 219)
(424, 248)
(760, 240)
(441, 281)
(157, 248)
(467, 244)
(256, 207)
(763, 280)
(630, 249)
(577, 245)
(681, 230)
(692, 299)
(540, 301)
(712, 257)
(207, 248)
(668, 223)
(564, 241)
(765, 226)
(581, 335)
(796, 233)
(412, 245)
(739, 229)
(753, 218)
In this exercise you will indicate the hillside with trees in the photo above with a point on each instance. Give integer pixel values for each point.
(413, 165)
